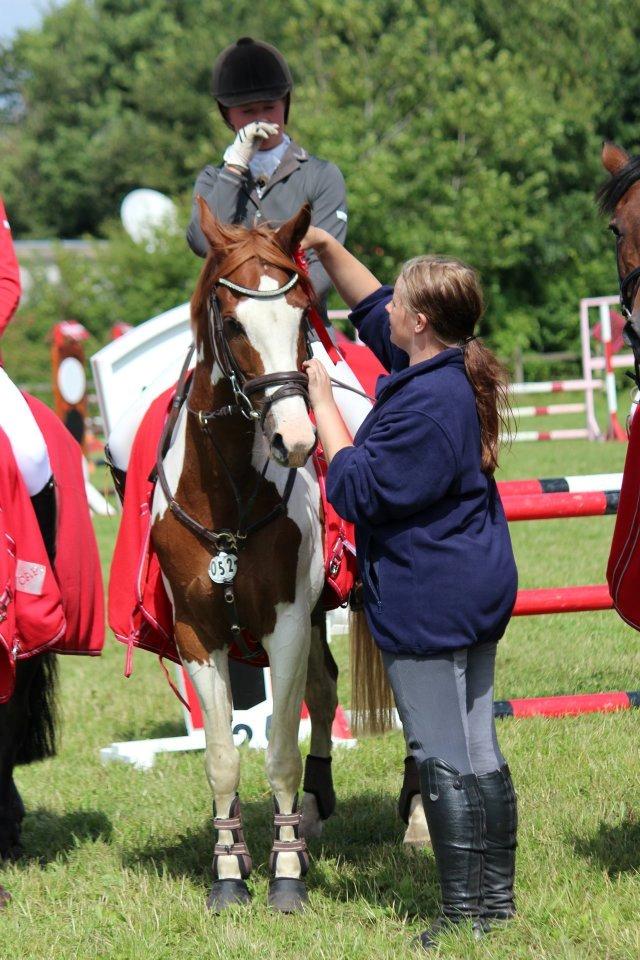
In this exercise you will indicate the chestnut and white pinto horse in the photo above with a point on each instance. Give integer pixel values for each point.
(237, 528)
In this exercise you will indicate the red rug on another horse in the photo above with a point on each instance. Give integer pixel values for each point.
(59, 609)
(140, 612)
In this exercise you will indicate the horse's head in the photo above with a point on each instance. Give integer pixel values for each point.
(619, 197)
(248, 313)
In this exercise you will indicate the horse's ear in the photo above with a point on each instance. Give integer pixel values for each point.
(614, 158)
(291, 233)
(212, 229)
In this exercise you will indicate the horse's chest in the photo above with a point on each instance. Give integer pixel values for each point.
(266, 575)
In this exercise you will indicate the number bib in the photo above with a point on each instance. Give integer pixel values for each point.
(223, 567)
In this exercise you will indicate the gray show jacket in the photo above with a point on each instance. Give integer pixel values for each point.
(299, 177)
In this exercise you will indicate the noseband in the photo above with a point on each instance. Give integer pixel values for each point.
(292, 383)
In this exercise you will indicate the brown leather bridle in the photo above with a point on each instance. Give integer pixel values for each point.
(292, 383)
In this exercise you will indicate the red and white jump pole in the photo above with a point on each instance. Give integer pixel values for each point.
(539, 499)
(552, 386)
(570, 705)
(607, 364)
(553, 506)
(583, 484)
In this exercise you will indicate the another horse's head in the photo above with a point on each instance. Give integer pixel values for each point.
(619, 197)
(248, 313)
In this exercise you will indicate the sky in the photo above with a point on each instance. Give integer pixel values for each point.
(21, 13)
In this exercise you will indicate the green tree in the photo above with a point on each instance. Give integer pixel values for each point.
(470, 127)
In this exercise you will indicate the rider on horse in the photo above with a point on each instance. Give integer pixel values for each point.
(265, 175)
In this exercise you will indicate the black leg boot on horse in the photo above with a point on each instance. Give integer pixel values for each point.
(455, 815)
(500, 859)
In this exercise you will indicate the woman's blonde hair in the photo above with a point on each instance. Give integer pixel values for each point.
(448, 292)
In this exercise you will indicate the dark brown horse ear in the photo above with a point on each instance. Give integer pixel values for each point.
(212, 229)
(291, 233)
(614, 158)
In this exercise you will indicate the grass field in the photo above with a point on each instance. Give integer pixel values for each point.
(118, 861)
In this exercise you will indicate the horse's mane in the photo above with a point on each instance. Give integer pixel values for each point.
(613, 190)
(242, 244)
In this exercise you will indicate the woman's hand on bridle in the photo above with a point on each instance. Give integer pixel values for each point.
(320, 391)
(315, 238)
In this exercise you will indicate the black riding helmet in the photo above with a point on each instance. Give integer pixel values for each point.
(250, 70)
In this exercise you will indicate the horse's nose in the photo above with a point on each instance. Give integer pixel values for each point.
(279, 448)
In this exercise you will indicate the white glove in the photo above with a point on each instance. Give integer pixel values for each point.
(247, 143)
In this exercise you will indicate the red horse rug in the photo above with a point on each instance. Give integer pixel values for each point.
(43, 607)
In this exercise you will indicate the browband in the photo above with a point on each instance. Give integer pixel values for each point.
(259, 294)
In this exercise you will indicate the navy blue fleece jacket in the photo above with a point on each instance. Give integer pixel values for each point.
(432, 539)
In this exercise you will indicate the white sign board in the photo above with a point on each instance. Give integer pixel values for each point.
(148, 356)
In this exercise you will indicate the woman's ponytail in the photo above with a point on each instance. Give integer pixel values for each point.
(489, 380)
(449, 293)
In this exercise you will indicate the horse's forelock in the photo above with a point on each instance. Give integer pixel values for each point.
(255, 243)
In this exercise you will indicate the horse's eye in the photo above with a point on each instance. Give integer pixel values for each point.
(614, 229)
(233, 327)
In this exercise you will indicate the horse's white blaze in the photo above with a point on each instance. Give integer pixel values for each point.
(173, 466)
(272, 328)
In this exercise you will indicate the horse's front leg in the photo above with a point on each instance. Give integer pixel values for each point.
(231, 859)
(288, 649)
(321, 696)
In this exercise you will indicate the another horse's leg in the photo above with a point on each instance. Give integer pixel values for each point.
(321, 696)
(288, 649)
(410, 806)
(231, 859)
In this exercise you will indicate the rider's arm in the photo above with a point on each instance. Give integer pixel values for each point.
(352, 279)
(10, 288)
(328, 212)
(220, 188)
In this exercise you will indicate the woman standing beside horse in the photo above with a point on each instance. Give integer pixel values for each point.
(418, 483)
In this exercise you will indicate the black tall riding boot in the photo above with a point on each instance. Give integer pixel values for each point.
(46, 511)
(500, 859)
(455, 816)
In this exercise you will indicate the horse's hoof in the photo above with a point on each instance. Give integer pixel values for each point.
(227, 893)
(416, 836)
(287, 895)
(5, 897)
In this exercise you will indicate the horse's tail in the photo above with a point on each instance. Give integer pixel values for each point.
(372, 700)
(38, 733)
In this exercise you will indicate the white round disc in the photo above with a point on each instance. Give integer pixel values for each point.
(72, 382)
(144, 211)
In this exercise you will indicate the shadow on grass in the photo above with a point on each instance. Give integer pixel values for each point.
(47, 835)
(616, 847)
(360, 856)
(150, 731)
